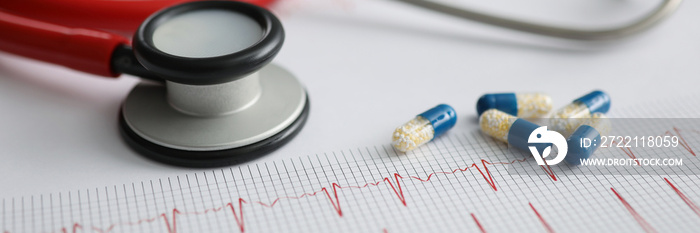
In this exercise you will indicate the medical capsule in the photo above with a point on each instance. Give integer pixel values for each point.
(568, 118)
(507, 128)
(520, 105)
(424, 127)
(586, 138)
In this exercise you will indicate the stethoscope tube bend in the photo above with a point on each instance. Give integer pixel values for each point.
(664, 9)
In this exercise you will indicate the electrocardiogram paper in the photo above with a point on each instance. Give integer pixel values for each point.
(457, 183)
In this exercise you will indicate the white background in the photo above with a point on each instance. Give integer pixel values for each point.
(368, 66)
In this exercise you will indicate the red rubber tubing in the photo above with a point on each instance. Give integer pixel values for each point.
(119, 16)
(82, 34)
(82, 49)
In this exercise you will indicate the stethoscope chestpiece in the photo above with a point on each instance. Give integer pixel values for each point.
(222, 102)
(243, 38)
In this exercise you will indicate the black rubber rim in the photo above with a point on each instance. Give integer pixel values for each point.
(209, 70)
(218, 158)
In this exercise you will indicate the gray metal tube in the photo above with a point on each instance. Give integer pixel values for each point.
(664, 9)
(214, 100)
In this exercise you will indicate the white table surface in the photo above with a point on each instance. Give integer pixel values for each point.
(368, 66)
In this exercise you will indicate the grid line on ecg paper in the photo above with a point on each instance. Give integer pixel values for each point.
(448, 201)
(283, 207)
(463, 214)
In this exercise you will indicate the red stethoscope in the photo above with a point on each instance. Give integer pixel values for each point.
(216, 101)
(78, 34)
(82, 34)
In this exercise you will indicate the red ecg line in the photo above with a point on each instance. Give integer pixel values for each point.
(478, 223)
(683, 143)
(687, 201)
(544, 223)
(331, 194)
(394, 183)
(642, 222)
(548, 170)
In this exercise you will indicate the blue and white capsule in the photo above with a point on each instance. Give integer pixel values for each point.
(507, 128)
(424, 127)
(528, 105)
(586, 138)
(570, 117)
